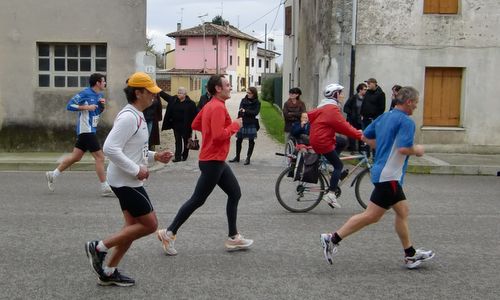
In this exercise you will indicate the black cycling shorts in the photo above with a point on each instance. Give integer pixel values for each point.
(87, 141)
(135, 200)
(388, 193)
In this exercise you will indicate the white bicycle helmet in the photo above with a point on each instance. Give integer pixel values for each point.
(331, 90)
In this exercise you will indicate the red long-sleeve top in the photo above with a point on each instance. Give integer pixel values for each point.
(216, 129)
(325, 122)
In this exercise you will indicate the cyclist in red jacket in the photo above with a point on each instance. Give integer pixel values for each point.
(326, 121)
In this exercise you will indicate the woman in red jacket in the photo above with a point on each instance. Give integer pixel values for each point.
(326, 121)
(216, 128)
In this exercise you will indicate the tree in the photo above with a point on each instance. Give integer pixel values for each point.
(219, 20)
(150, 47)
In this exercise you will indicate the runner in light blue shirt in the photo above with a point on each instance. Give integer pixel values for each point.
(391, 134)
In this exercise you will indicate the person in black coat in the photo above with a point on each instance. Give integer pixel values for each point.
(352, 108)
(152, 115)
(373, 103)
(203, 100)
(249, 109)
(180, 113)
(395, 90)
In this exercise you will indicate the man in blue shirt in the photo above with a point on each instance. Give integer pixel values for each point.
(392, 135)
(89, 103)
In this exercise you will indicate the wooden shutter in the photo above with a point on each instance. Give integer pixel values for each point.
(431, 6)
(440, 6)
(442, 96)
(288, 20)
(448, 6)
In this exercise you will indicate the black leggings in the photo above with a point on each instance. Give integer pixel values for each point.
(212, 173)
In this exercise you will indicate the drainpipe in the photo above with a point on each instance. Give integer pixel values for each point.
(353, 46)
(340, 20)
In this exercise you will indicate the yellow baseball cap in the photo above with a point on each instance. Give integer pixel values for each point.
(143, 80)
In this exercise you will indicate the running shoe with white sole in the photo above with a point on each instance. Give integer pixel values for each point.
(115, 279)
(238, 242)
(331, 199)
(50, 180)
(167, 242)
(96, 258)
(106, 191)
(329, 248)
(420, 256)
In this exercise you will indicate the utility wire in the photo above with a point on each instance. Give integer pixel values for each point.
(260, 18)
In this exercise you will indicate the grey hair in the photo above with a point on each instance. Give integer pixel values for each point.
(406, 93)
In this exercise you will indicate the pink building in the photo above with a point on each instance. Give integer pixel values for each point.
(211, 49)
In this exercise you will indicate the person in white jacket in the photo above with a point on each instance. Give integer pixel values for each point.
(127, 149)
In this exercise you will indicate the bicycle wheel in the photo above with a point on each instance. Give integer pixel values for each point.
(363, 187)
(298, 196)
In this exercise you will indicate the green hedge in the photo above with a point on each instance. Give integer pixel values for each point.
(272, 118)
(267, 90)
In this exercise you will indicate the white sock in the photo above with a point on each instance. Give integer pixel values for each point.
(56, 173)
(101, 247)
(108, 271)
(104, 184)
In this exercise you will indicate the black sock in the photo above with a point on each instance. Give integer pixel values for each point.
(336, 238)
(410, 251)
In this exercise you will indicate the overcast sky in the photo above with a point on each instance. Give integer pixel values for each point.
(250, 16)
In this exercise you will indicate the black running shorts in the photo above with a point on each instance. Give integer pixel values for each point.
(87, 141)
(388, 193)
(135, 200)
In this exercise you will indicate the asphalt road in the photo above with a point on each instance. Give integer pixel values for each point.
(43, 235)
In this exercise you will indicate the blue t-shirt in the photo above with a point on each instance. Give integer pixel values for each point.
(392, 130)
(87, 120)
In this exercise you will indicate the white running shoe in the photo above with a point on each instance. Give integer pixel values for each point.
(420, 256)
(167, 242)
(50, 180)
(106, 191)
(331, 200)
(329, 248)
(238, 242)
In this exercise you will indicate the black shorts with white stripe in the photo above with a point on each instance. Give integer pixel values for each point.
(135, 200)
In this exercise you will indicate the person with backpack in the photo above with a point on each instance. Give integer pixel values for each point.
(327, 120)
(127, 149)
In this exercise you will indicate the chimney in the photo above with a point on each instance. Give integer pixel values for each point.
(270, 44)
(168, 47)
(178, 26)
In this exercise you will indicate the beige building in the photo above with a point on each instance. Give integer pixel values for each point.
(47, 51)
(447, 49)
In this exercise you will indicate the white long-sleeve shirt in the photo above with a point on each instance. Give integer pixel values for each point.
(127, 148)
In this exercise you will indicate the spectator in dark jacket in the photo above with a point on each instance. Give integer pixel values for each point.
(180, 113)
(249, 109)
(292, 109)
(395, 90)
(352, 108)
(203, 99)
(373, 103)
(153, 115)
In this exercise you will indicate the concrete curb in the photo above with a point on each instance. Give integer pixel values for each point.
(42, 164)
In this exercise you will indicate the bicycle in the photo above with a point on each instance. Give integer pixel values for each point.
(299, 196)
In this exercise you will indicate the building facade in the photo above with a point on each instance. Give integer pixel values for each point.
(447, 49)
(210, 49)
(47, 52)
